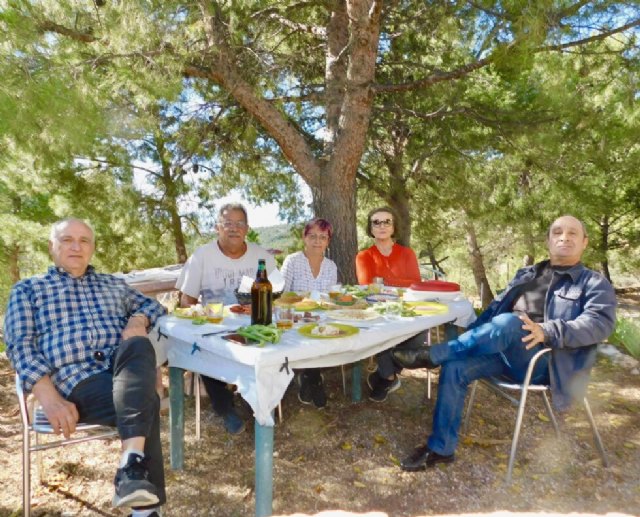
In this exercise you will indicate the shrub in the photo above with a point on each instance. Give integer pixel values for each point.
(627, 335)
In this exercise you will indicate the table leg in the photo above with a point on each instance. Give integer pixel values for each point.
(176, 416)
(264, 469)
(356, 376)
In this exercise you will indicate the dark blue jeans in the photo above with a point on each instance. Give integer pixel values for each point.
(492, 349)
(126, 397)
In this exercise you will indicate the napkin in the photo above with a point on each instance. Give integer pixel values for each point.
(277, 281)
(245, 284)
(275, 277)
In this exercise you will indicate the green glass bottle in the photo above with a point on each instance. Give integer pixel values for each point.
(261, 297)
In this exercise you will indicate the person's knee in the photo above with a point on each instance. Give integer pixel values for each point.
(507, 321)
(137, 347)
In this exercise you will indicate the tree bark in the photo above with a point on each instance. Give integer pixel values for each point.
(170, 203)
(530, 246)
(352, 48)
(13, 255)
(14, 263)
(477, 264)
(604, 246)
(336, 202)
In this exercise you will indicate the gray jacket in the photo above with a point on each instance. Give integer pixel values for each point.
(579, 313)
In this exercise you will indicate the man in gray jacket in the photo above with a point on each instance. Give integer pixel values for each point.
(557, 303)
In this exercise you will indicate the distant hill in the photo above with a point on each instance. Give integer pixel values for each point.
(282, 237)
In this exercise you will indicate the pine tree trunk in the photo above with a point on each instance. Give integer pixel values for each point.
(402, 226)
(604, 247)
(530, 246)
(337, 203)
(477, 265)
(14, 264)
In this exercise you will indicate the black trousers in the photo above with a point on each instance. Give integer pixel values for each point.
(386, 364)
(221, 398)
(126, 397)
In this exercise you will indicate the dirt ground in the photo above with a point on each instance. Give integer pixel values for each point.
(346, 457)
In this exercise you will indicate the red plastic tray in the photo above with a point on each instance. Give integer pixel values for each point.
(435, 285)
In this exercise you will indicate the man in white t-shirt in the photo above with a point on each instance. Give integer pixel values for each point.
(216, 269)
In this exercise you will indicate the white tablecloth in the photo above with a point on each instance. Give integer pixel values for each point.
(263, 374)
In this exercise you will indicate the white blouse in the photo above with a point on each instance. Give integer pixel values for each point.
(299, 277)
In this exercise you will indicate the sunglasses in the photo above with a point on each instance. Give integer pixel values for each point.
(383, 222)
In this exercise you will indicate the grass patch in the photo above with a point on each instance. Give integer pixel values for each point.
(627, 335)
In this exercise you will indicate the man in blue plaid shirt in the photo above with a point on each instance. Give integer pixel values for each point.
(78, 340)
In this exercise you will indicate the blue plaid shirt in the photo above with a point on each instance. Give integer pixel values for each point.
(55, 324)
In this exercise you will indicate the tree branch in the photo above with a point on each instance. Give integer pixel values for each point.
(437, 77)
(590, 39)
(49, 26)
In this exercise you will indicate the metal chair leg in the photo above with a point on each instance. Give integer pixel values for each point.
(467, 415)
(26, 472)
(196, 392)
(516, 434)
(596, 434)
(429, 371)
(551, 414)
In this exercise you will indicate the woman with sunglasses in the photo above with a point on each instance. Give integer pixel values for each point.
(310, 270)
(398, 266)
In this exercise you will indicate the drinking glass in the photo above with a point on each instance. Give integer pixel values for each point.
(284, 316)
(214, 311)
(335, 291)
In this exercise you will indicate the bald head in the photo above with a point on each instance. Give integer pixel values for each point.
(567, 239)
(71, 245)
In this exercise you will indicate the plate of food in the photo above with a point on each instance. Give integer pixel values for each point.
(289, 298)
(428, 308)
(197, 313)
(327, 330)
(240, 309)
(353, 315)
(305, 305)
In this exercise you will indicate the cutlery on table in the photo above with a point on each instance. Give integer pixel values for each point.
(218, 332)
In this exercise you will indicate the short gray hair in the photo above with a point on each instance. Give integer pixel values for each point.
(58, 226)
(584, 227)
(229, 207)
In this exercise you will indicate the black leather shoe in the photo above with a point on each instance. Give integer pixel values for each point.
(424, 457)
(412, 358)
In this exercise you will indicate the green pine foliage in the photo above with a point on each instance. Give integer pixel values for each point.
(627, 336)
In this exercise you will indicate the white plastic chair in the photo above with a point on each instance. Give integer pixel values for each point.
(502, 387)
(34, 422)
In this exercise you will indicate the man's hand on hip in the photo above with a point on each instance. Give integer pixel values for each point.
(62, 414)
(536, 335)
(136, 327)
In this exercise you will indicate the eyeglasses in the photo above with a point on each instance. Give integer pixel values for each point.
(383, 222)
(228, 225)
(322, 237)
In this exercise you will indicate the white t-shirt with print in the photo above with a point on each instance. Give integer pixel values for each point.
(209, 268)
